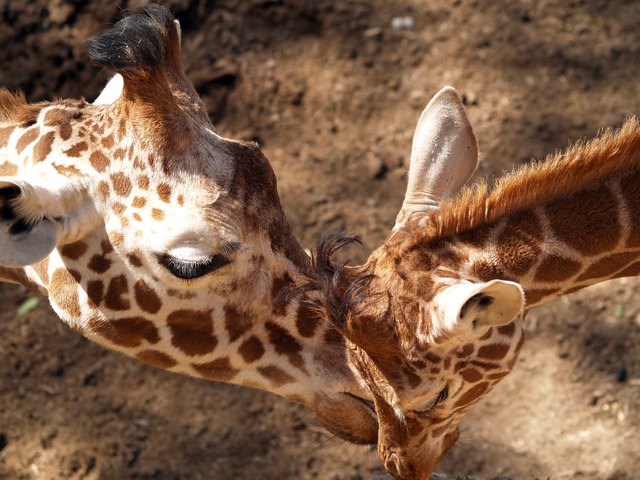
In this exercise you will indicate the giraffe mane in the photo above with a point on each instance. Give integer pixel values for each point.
(14, 108)
(560, 175)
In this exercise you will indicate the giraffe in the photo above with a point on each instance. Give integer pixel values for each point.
(154, 236)
(434, 319)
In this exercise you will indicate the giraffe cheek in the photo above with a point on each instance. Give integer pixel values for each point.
(348, 418)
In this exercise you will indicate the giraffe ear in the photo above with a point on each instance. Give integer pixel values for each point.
(111, 91)
(145, 50)
(23, 239)
(444, 155)
(467, 310)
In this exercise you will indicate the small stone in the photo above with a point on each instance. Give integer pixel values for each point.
(402, 23)
(142, 422)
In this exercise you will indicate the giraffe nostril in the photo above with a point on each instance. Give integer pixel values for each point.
(21, 226)
(10, 192)
(392, 464)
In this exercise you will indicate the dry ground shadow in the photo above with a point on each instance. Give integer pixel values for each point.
(332, 92)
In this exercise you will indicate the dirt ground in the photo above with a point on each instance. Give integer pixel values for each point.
(332, 91)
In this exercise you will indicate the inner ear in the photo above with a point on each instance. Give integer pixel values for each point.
(479, 301)
(466, 310)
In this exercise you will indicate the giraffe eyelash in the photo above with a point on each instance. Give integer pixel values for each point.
(442, 396)
(192, 269)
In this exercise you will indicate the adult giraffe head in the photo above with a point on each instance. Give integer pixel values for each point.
(154, 235)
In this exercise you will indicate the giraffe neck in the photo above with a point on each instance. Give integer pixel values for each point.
(560, 246)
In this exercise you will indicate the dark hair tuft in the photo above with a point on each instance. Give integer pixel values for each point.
(135, 43)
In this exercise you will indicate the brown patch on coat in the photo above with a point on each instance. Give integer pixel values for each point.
(67, 170)
(76, 150)
(63, 289)
(471, 395)
(27, 138)
(280, 303)
(630, 271)
(465, 350)
(251, 349)
(276, 376)
(42, 269)
(118, 208)
(66, 130)
(148, 300)
(518, 246)
(5, 134)
(74, 250)
(591, 234)
(555, 268)
(134, 260)
(535, 296)
(103, 191)
(285, 344)
(117, 297)
(107, 142)
(157, 214)
(8, 169)
(307, 319)
(118, 153)
(138, 202)
(495, 351)
(95, 292)
(99, 161)
(486, 271)
(121, 184)
(164, 192)
(607, 266)
(99, 263)
(630, 192)
(237, 322)
(43, 148)
(143, 182)
(508, 329)
(219, 369)
(156, 359)
(192, 331)
(127, 332)
(471, 375)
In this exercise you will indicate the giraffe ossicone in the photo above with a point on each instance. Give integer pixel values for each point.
(155, 236)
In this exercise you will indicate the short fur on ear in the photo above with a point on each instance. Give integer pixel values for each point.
(444, 155)
(465, 310)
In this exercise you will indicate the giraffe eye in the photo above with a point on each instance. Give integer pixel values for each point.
(191, 269)
(433, 403)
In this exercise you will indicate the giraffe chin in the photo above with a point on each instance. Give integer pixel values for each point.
(349, 417)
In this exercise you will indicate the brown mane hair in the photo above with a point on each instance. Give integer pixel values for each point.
(560, 175)
(15, 109)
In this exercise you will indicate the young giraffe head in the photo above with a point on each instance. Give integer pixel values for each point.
(428, 337)
(153, 235)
